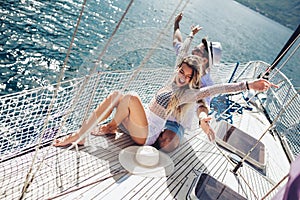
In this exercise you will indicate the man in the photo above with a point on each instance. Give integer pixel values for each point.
(210, 52)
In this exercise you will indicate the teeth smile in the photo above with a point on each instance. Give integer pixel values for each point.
(181, 81)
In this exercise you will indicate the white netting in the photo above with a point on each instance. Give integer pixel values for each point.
(23, 116)
(288, 124)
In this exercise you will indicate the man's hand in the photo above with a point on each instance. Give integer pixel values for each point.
(195, 29)
(178, 18)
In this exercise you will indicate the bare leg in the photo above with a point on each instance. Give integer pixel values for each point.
(136, 122)
(100, 113)
(131, 113)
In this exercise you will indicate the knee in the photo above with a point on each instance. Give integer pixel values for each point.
(116, 94)
(132, 98)
(139, 141)
(115, 97)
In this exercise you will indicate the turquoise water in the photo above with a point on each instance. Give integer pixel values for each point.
(35, 36)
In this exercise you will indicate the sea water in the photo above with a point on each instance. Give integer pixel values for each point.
(35, 37)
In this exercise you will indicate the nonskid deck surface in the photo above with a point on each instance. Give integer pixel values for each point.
(94, 172)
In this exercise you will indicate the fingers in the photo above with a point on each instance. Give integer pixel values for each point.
(207, 129)
(268, 85)
(274, 85)
(261, 85)
(179, 17)
(196, 28)
(211, 134)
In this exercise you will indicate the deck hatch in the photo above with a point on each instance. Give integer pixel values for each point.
(240, 143)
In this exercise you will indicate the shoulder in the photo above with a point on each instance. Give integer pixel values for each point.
(206, 80)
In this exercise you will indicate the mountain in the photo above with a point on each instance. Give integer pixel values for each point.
(285, 12)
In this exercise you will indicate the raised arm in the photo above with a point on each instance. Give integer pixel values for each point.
(177, 37)
(202, 111)
(182, 47)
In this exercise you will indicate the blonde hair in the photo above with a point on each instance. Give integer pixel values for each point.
(195, 63)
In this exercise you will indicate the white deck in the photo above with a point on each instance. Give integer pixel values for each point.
(95, 173)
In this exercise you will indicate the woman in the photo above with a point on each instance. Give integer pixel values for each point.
(145, 125)
(210, 52)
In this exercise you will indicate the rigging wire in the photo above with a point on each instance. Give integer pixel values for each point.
(289, 57)
(88, 77)
(30, 175)
(286, 47)
(27, 181)
(293, 52)
(98, 61)
(240, 174)
(272, 189)
(273, 123)
(136, 71)
(268, 129)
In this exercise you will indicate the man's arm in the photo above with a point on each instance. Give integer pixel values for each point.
(181, 47)
(177, 37)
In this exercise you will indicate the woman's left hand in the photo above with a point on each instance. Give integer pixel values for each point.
(261, 85)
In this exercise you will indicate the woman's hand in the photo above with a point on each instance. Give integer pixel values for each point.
(204, 124)
(261, 85)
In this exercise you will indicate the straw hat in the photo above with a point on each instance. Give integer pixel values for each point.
(146, 161)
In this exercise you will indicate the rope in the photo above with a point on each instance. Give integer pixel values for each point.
(100, 57)
(29, 178)
(92, 183)
(293, 52)
(272, 189)
(269, 128)
(139, 68)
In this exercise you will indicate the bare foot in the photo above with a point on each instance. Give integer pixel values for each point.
(106, 129)
(67, 140)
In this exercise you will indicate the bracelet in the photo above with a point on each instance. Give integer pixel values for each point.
(247, 85)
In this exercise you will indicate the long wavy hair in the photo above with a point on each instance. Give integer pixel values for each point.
(195, 63)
